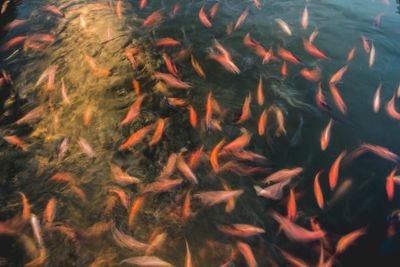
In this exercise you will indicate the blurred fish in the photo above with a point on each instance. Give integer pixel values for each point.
(284, 26)
(152, 261)
(211, 198)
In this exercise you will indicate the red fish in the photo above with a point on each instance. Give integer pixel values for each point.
(142, 4)
(241, 18)
(196, 157)
(334, 171)
(86, 147)
(260, 94)
(175, 10)
(186, 207)
(15, 23)
(246, 112)
(158, 131)
(214, 10)
(390, 184)
(123, 197)
(169, 167)
(291, 206)
(170, 65)
(26, 208)
(192, 116)
(50, 211)
(119, 9)
(208, 117)
(137, 204)
(167, 41)
(52, 9)
(338, 98)
(214, 155)
(239, 143)
(280, 120)
(136, 137)
(203, 18)
(284, 69)
(313, 50)
(134, 111)
(13, 42)
(257, 4)
(15, 140)
(288, 56)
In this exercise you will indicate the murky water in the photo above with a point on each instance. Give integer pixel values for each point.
(86, 46)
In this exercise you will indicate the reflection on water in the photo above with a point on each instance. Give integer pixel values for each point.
(107, 158)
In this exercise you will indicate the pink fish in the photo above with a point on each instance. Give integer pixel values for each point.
(171, 80)
(203, 18)
(240, 230)
(211, 198)
(274, 192)
(163, 185)
(282, 175)
(86, 148)
(185, 170)
(241, 18)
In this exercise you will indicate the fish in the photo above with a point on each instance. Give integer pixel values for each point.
(171, 80)
(214, 155)
(175, 10)
(64, 177)
(295, 232)
(291, 206)
(372, 56)
(313, 36)
(51, 74)
(53, 10)
(365, 44)
(304, 18)
(334, 171)
(142, 4)
(126, 241)
(136, 137)
(284, 69)
(26, 208)
(133, 111)
(313, 50)
(37, 232)
(338, 75)
(313, 75)
(390, 184)
(196, 66)
(241, 18)
(213, 10)
(13, 42)
(247, 253)
(211, 198)
(169, 167)
(240, 230)
(32, 116)
(146, 261)
(274, 192)
(350, 55)
(160, 125)
(192, 116)
(62, 150)
(288, 56)
(280, 120)
(64, 92)
(185, 213)
(391, 108)
(86, 147)
(188, 258)
(196, 157)
(338, 98)
(153, 19)
(136, 87)
(119, 9)
(123, 197)
(257, 4)
(14, 24)
(284, 26)
(171, 67)
(178, 102)
(326, 135)
(377, 98)
(282, 175)
(317, 191)
(208, 116)
(15, 140)
(347, 240)
(381, 151)
(184, 168)
(167, 41)
(163, 185)
(239, 143)
(136, 205)
(203, 18)
(50, 212)
(121, 177)
(262, 123)
(260, 94)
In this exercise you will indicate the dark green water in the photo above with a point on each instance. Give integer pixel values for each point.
(92, 29)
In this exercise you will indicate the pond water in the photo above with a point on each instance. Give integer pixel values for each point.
(117, 119)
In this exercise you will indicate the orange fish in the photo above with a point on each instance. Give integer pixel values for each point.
(203, 18)
(284, 69)
(260, 94)
(291, 206)
(50, 211)
(262, 123)
(351, 54)
(334, 171)
(158, 131)
(365, 44)
(87, 116)
(326, 135)
(188, 258)
(390, 184)
(338, 98)
(196, 66)
(136, 137)
(186, 207)
(178, 102)
(391, 108)
(196, 157)
(136, 87)
(123, 197)
(311, 75)
(294, 261)
(214, 155)
(169, 167)
(283, 175)
(154, 18)
(209, 111)
(345, 241)
(167, 41)
(184, 168)
(304, 18)
(171, 80)
(121, 177)
(313, 50)
(337, 76)
(317, 191)
(119, 9)
(287, 56)
(246, 112)
(163, 185)
(170, 65)
(192, 116)
(231, 203)
(247, 253)
(13, 42)
(239, 143)
(52, 9)
(135, 207)
(214, 10)
(14, 140)
(241, 18)
(130, 55)
(280, 120)
(97, 71)
(26, 210)
(377, 98)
